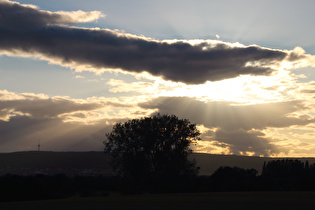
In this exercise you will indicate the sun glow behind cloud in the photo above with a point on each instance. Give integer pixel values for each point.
(241, 90)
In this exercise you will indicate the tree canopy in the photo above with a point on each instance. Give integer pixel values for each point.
(156, 146)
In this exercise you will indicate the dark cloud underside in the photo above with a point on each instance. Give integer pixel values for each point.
(32, 31)
(239, 127)
(222, 114)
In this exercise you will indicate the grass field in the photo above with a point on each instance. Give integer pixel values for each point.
(216, 201)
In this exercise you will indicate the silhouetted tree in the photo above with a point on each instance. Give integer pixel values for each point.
(233, 178)
(264, 168)
(307, 165)
(284, 174)
(283, 168)
(152, 148)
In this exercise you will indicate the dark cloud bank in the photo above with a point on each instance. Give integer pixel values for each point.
(30, 30)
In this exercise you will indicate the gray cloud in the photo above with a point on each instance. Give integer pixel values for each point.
(241, 141)
(17, 16)
(222, 114)
(23, 133)
(307, 91)
(41, 106)
(32, 118)
(60, 124)
(27, 30)
(235, 124)
(45, 108)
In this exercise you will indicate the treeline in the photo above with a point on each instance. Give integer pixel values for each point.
(281, 175)
(288, 175)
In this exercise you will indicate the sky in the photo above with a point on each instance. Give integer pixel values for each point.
(243, 71)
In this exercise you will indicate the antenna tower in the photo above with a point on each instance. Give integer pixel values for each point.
(38, 146)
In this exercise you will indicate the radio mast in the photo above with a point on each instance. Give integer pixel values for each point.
(38, 146)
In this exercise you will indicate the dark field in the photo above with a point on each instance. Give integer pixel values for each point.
(217, 201)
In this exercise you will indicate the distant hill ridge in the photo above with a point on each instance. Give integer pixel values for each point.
(50, 163)
(97, 163)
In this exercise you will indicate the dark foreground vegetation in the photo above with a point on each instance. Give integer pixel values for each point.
(213, 200)
(277, 175)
